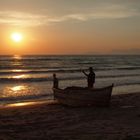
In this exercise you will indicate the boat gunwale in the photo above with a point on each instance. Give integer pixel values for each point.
(83, 89)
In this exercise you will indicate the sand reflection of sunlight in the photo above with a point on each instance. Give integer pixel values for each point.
(21, 104)
(26, 103)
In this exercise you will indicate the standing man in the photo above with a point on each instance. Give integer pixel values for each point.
(90, 77)
(55, 81)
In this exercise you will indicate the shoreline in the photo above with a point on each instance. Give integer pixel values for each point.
(54, 121)
(45, 100)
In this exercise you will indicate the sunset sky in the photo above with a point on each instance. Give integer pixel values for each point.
(70, 26)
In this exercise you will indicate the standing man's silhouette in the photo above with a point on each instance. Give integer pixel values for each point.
(55, 81)
(90, 77)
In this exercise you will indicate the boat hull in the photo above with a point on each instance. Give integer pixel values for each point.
(84, 97)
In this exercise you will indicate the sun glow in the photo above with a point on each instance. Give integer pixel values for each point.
(16, 37)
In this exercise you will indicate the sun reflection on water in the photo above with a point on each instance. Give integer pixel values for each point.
(18, 88)
(17, 70)
(19, 76)
(17, 57)
(15, 91)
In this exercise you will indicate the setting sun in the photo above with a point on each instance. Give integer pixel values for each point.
(16, 37)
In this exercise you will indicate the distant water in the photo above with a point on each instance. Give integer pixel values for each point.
(30, 77)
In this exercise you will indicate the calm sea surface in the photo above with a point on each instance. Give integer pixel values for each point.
(30, 77)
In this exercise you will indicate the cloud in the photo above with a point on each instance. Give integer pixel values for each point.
(102, 12)
(20, 18)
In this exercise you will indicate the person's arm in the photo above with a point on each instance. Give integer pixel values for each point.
(84, 72)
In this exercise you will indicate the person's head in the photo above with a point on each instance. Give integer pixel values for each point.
(90, 69)
(54, 75)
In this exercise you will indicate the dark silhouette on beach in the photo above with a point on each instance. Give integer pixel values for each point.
(90, 77)
(55, 81)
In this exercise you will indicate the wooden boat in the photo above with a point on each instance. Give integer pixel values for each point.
(78, 96)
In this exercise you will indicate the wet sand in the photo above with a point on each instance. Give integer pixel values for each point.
(52, 121)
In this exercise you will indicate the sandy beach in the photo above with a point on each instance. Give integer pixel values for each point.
(52, 121)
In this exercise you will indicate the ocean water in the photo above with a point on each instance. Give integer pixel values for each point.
(24, 78)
